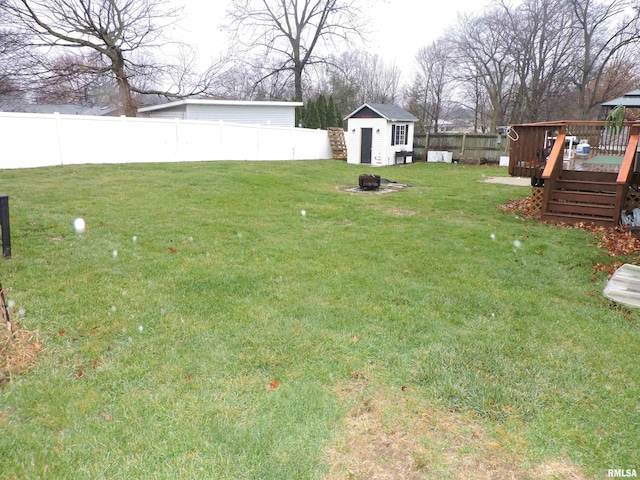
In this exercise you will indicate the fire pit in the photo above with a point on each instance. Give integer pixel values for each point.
(368, 181)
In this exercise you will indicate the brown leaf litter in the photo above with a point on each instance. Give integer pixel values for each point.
(616, 240)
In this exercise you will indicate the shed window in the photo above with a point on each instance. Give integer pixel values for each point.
(399, 134)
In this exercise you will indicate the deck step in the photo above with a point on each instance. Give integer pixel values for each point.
(605, 211)
(576, 196)
(585, 186)
(583, 197)
(570, 218)
(587, 176)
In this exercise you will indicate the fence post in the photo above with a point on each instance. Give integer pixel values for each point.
(56, 118)
(4, 221)
(426, 147)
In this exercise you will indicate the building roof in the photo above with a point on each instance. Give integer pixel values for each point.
(629, 99)
(392, 113)
(178, 103)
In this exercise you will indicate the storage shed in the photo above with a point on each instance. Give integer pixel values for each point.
(380, 134)
(281, 114)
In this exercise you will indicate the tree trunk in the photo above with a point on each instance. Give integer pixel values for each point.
(128, 105)
(297, 74)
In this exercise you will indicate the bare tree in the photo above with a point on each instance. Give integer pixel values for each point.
(68, 80)
(293, 33)
(14, 61)
(604, 29)
(542, 50)
(483, 55)
(107, 38)
(356, 77)
(433, 84)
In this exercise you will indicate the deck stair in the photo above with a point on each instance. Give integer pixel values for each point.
(337, 142)
(581, 196)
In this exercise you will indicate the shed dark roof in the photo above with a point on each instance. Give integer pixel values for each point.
(392, 113)
(629, 99)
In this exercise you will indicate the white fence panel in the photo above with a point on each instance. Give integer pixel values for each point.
(36, 140)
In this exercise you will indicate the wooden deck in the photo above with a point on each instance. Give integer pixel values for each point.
(579, 185)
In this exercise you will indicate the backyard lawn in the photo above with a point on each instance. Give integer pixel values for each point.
(248, 320)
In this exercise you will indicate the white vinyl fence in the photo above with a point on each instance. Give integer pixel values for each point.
(39, 140)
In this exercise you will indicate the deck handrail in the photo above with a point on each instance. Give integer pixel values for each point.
(554, 163)
(626, 169)
(553, 168)
(560, 123)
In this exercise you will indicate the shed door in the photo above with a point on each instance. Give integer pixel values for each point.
(365, 145)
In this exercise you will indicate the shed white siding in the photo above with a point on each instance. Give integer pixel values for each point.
(280, 114)
(382, 152)
(390, 128)
(378, 128)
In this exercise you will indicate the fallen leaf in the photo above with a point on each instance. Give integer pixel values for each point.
(79, 373)
(172, 250)
(354, 339)
(62, 331)
(273, 385)
(95, 362)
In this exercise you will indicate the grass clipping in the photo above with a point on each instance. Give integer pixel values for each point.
(18, 347)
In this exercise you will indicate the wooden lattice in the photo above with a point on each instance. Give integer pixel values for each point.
(536, 198)
(633, 199)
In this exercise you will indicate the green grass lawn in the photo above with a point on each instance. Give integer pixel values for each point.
(203, 328)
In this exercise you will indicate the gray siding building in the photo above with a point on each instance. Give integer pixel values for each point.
(280, 114)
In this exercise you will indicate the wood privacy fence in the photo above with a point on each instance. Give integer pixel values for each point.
(474, 148)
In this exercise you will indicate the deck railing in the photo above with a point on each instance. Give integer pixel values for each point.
(628, 173)
(531, 145)
(553, 168)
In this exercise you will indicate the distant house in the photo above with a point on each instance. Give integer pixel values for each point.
(630, 100)
(233, 111)
(380, 134)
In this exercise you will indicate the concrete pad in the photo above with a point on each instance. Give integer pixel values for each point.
(517, 181)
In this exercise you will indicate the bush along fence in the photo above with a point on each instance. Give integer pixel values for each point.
(469, 148)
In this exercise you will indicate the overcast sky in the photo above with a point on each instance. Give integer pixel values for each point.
(398, 28)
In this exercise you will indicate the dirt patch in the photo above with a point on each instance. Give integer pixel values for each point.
(385, 187)
(391, 434)
(372, 447)
(18, 350)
